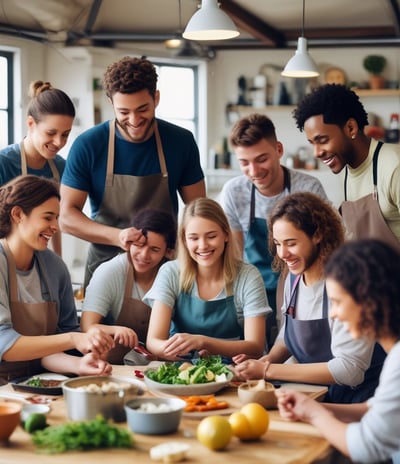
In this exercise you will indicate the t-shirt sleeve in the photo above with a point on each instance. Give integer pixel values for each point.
(165, 287)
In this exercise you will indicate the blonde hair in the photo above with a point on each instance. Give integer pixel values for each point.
(208, 209)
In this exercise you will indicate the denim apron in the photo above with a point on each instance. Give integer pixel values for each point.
(134, 314)
(309, 341)
(29, 319)
(363, 217)
(123, 197)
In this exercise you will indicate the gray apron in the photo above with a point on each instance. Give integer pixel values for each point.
(363, 217)
(309, 341)
(134, 314)
(24, 166)
(124, 196)
(29, 319)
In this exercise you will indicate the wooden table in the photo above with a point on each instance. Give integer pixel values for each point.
(284, 442)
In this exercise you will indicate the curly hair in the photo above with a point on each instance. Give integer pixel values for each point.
(27, 192)
(130, 75)
(368, 270)
(336, 103)
(208, 209)
(250, 130)
(312, 215)
(47, 100)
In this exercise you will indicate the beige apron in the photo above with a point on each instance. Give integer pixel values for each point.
(124, 196)
(29, 319)
(363, 217)
(24, 166)
(134, 314)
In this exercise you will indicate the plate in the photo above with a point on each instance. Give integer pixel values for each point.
(186, 390)
(21, 384)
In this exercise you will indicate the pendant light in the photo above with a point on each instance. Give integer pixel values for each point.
(176, 41)
(210, 23)
(301, 64)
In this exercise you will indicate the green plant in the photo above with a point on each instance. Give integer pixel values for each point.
(374, 64)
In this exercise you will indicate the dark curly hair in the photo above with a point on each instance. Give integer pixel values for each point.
(27, 192)
(335, 102)
(157, 221)
(249, 130)
(130, 75)
(369, 271)
(312, 215)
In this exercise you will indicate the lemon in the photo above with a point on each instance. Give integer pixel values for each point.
(258, 418)
(214, 432)
(36, 421)
(240, 426)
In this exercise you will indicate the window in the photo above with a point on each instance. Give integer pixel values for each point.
(6, 99)
(178, 96)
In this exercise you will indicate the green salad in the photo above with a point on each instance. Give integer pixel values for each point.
(206, 370)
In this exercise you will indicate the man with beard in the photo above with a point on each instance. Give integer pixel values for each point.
(333, 119)
(132, 162)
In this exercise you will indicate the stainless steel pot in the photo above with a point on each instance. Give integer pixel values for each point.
(86, 405)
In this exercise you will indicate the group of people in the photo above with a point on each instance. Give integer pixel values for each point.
(271, 277)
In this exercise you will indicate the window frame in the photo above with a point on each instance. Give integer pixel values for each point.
(9, 56)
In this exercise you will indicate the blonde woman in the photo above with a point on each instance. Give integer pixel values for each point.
(208, 301)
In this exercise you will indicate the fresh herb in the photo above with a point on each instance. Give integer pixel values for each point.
(208, 369)
(35, 382)
(84, 435)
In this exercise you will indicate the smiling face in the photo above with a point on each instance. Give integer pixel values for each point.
(36, 229)
(343, 307)
(135, 113)
(147, 257)
(332, 145)
(296, 248)
(205, 241)
(48, 136)
(261, 164)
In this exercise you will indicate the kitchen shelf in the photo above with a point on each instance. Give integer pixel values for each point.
(377, 92)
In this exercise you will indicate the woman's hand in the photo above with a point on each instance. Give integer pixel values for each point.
(251, 369)
(125, 336)
(90, 364)
(181, 344)
(94, 340)
(294, 405)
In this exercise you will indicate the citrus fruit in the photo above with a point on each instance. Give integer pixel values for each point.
(214, 432)
(240, 426)
(258, 418)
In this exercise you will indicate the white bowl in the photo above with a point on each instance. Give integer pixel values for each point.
(29, 409)
(157, 422)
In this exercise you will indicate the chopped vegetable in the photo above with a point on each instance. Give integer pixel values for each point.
(35, 421)
(84, 435)
(210, 369)
(203, 403)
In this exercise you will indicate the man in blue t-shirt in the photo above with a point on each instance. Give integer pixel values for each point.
(124, 165)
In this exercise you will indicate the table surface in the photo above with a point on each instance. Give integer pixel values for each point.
(284, 442)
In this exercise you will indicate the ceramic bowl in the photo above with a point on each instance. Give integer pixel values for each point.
(10, 414)
(28, 409)
(258, 391)
(162, 415)
(86, 397)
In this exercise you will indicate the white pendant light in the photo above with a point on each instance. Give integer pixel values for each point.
(301, 64)
(210, 23)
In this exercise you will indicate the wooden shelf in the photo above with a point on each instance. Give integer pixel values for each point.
(377, 92)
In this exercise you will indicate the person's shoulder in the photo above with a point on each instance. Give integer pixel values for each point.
(51, 261)
(10, 152)
(300, 179)
(99, 130)
(174, 132)
(237, 183)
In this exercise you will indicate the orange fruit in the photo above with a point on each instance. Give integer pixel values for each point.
(214, 432)
(240, 426)
(258, 418)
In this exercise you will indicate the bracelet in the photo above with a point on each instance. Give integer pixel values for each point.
(267, 364)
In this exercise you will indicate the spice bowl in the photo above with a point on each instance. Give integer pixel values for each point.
(154, 416)
(258, 391)
(10, 414)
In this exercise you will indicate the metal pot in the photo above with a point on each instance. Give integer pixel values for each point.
(86, 405)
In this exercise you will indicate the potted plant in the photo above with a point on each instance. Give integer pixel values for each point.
(375, 64)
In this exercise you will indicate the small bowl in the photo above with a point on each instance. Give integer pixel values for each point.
(28, 409)
(10, 414)
(258, 391)
(157, 422)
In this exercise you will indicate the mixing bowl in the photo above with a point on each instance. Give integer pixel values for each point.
(258, 391)
(86, 397)
(154, 416)
(10, 413)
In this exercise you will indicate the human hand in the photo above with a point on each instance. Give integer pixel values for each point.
(294, 405)
(90, 364)
(251, 369)
(131, 235)
(94, 340)
(239, 358)
(181, 344)
(125, 336)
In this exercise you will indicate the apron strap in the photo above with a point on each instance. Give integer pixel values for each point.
(160, 151)
(24, 166)
(294, 283)
(110, 156)
(12, 271)
(374, 172)
(129, 278)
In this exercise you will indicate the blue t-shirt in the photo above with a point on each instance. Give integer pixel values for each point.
(10, 165)
(87, 160)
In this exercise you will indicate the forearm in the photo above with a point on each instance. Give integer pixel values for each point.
(231, 348)
(61, 362)
(347, 412)
(27, 348)
(317, 373)
(278, 353)
(332, 429)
